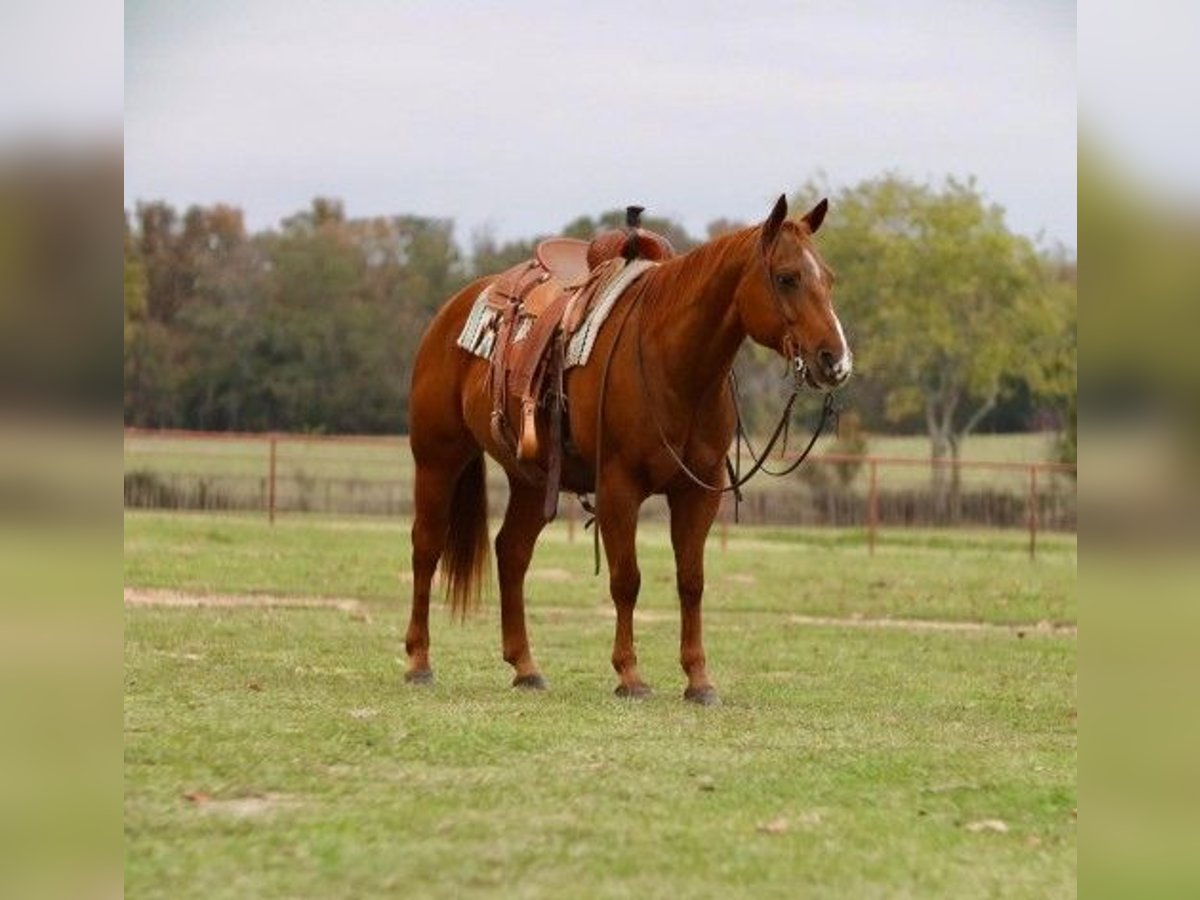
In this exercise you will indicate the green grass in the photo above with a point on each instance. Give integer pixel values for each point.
(980, 576)
(872, 750)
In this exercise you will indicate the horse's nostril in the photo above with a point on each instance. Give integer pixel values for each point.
(827, 361)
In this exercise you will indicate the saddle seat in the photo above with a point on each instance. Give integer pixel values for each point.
(571, 261)
(566, 259)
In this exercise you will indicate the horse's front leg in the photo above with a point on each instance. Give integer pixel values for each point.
(617, 519)
(692, 512)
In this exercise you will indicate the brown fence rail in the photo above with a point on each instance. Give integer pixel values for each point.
(361, 475)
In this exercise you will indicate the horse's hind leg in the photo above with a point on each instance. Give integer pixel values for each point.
(433, 493)
(523, 522)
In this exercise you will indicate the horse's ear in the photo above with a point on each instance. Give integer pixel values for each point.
(774, 221)
(815, 216)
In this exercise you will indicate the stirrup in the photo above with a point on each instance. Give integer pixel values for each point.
(528, 449)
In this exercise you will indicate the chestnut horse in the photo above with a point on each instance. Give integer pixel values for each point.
(662, 361)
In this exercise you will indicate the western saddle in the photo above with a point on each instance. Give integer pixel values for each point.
(539, 304)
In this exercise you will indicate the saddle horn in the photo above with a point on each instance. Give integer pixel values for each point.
(633, 224)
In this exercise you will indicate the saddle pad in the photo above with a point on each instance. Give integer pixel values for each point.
(580, 346)
(479, 333)
(478, 336)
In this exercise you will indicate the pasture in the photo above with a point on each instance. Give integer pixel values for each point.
(870, 742)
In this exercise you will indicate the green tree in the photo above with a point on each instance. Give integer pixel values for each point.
(135, 316)
(151, 298)
(946, 305)
(135, 290)
(489, 256)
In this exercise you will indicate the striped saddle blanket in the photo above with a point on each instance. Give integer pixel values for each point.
(478, 335)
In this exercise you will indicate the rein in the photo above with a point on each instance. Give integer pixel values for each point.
(738, 481)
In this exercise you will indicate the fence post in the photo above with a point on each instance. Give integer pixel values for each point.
(873, 506)
(1033, 511)
(271, 482)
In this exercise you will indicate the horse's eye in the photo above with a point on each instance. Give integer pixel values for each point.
(787, 281)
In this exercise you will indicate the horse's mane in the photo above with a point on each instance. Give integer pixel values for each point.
(682, 277)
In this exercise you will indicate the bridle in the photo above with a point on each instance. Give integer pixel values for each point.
(790, 346)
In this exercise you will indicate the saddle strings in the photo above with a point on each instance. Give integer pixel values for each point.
(827, 408)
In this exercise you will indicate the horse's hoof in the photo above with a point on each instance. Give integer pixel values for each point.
(531, 682)
(639, 691)
(419, 676)
(702, 696)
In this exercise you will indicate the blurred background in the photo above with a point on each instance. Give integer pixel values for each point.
(60, 628)
(302, 185)
(1139, 205)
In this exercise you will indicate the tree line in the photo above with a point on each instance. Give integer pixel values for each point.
(957, 323)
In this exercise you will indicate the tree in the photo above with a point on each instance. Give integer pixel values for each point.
(309, 327)
(135, 289)
(722, 225)
(948, 307)
(489, 256)
(135, 315)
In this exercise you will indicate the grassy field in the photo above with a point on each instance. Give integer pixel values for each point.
(274, 751)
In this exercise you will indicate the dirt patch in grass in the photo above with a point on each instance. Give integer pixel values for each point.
(853, 621)
(161, 598)
(248, 807)
(140, 597)
(551, 575)
(741, 578)
(1039, 628)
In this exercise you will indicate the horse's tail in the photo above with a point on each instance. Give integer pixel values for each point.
(466, 555)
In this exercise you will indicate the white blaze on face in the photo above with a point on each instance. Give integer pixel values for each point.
(814, 265)
(845, 363)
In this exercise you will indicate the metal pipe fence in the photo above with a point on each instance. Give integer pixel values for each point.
(274, 474)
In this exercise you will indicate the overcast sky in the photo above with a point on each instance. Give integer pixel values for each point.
(522, 115)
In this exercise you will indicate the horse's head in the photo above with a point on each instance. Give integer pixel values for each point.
(784, 299)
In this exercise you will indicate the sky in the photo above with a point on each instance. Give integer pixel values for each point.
(519, 116)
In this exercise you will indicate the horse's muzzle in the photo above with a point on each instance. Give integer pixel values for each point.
(829, 372)
(834, 370)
